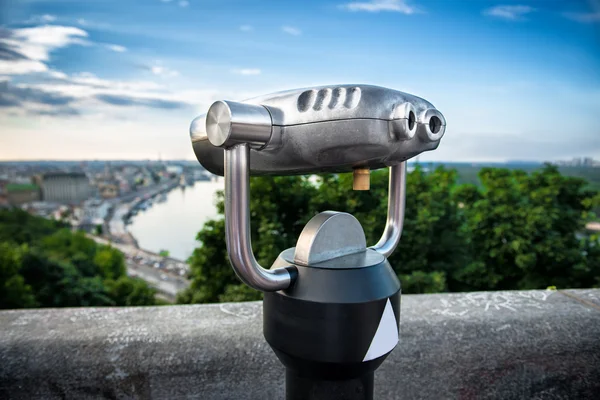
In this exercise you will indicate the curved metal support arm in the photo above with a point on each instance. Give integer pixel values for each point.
(396, 208)
(237, 225)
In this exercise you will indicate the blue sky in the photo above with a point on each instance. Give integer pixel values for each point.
(109, 79)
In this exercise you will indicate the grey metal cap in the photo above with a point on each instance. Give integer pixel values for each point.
(329, 235)
(229, 123)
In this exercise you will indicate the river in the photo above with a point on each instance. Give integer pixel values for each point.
(173, 224)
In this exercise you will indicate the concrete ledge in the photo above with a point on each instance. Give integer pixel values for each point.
(489, 345)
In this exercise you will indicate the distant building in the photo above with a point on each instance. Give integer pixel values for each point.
(92, 213)
(108, 190)
(175, 169)
(124, 186)
(65, 187)
(588, 162)
(108, 172)
(20, 193)
(41, 208)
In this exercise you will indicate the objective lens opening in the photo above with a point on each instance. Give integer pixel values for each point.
(435, 124)
(411, 120)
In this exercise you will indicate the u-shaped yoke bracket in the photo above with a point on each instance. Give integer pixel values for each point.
(237, 221)
(239, 127)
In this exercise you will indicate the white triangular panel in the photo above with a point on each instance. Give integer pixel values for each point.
(386, 337)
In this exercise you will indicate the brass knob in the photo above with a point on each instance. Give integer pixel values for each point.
(362, 179)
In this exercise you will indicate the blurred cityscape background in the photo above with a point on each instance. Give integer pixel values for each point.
(103, 203)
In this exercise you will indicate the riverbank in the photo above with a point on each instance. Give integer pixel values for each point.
(167, 275)
(173, 225)
(124, 208)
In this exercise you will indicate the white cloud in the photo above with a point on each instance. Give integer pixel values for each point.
(163, 71)
(92, 24)
(84, 94)
(512, 13)
(57, 74)
(41, 19)
(108, 128)
(56, 93)
(37, 43)
(180, 3)
(86, 86)
(31, 47)
(21, 67)
(290, 30)
(583, 17)
(91, 80)
(247, 71)
(116, 48)
(48, 18)
(400, 6)
(246, 28)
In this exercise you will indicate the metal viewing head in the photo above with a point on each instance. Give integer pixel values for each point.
(340, 128)
(322, 129)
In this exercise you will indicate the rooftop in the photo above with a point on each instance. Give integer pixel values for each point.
(60, 174)
(20, 187)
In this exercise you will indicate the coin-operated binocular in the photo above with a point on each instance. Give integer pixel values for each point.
(332, 304)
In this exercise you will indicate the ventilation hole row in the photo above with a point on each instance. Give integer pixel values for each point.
(336, 98)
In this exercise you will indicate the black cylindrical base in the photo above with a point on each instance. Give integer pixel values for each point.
(309, 388)
(333, 328)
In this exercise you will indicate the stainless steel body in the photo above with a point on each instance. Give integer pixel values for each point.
(328, 129)
(332, 129)
(331, 306)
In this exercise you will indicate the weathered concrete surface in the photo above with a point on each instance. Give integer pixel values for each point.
(494, 345)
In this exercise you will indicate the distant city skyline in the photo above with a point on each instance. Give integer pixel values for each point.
(515, 79)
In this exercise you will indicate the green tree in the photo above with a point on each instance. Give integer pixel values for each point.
(14, 292)
(74, 248)
(239, 292)
(57, 283)
(526, 231)
(423, 282)
(512, 231)
(20, 227)
(431, 241)
(281, 206)
(164, 253)
(43, 264)
(127, 291)
(110, 262)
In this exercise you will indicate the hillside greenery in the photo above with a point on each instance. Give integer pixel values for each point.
(44, 264)
(505, 230)
(508, 229)
(469, 173)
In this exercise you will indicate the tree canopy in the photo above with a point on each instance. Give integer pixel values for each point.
(513, 230)
(44, 264)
